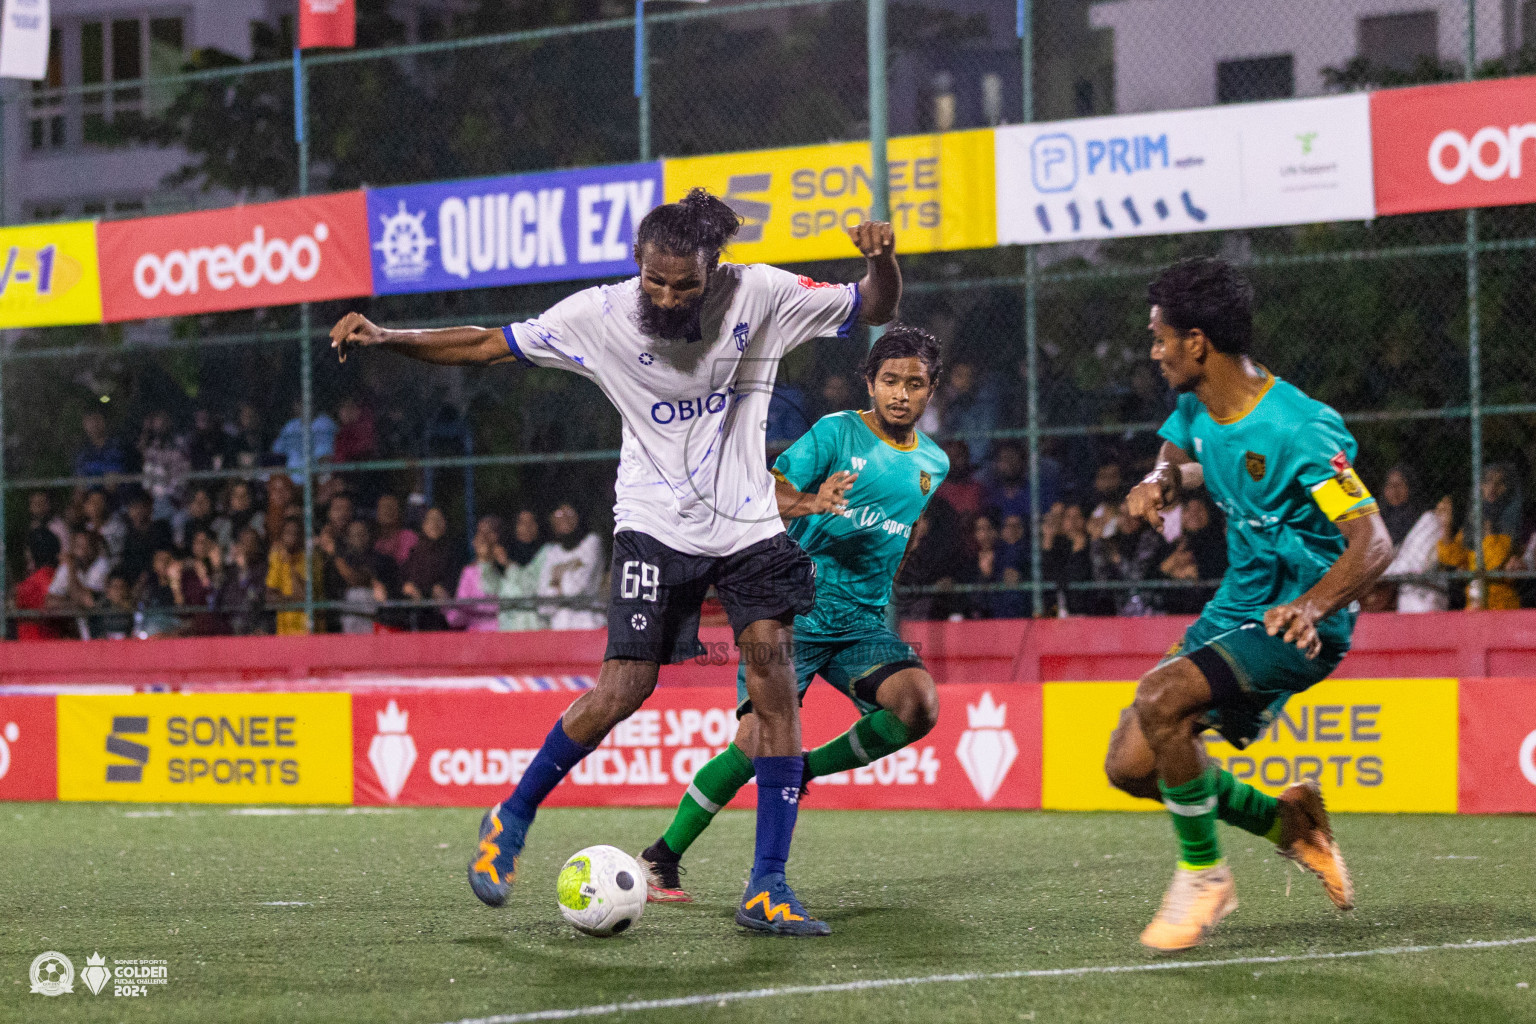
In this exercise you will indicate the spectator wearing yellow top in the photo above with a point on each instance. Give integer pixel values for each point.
(285, 577)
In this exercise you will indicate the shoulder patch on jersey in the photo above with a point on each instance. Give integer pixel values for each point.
(1339, 462)
(811, 282)
(1255, 464)
(924, 481)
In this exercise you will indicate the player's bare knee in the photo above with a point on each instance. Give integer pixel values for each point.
(1164, 702)
(914, 702)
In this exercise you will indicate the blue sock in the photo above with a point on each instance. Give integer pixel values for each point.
(778, 804)
(555, 758)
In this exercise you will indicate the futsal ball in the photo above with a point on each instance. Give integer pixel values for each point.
(601, 891)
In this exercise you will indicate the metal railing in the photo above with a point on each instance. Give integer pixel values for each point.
(1047, 282)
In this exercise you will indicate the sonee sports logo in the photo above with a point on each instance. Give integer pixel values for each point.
(138, 753)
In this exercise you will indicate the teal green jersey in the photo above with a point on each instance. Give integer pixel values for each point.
(1283, 474)
(857, 553)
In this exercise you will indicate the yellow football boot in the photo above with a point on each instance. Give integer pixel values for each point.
(1306, 837)
(1195, 904)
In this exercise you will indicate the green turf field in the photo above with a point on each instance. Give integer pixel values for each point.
(366, 917)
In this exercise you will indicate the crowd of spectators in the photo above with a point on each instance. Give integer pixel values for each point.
(146, 552)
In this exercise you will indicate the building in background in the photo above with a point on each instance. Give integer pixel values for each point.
(60, 161)
(1175, 54)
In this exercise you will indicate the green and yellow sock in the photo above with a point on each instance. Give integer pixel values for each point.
(1193, 809)
(871, 738)
(711, 789)
(1245, 807)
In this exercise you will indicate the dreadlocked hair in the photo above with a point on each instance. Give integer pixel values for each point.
(697, 223)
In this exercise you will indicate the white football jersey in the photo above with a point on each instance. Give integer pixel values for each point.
(693, 471)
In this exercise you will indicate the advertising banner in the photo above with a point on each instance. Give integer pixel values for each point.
(253, 748)
(49, 275)
(1449, 147)
(1498, 746)
(797, 203)
(489, 232)
(1250, 165)
(267, 254)
(24, 34)
(28, 756)
(1371, 744)
(470, 749)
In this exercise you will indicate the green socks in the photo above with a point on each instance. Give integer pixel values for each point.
(1193, 809)
(1249, 809)
(711, 789)
(871, 738)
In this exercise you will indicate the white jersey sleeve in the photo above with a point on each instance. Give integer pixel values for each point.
(804, 308)
(564, 337)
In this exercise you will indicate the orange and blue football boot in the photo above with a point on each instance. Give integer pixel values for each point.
(493, 869)
(770, 905)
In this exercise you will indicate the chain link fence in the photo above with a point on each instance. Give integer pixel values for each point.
(1415, 327)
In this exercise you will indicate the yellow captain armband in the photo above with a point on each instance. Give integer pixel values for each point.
(780, 477)
(1343, 497)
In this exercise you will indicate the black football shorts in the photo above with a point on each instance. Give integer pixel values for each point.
(653, 614)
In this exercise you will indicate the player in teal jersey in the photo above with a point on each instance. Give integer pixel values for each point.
(1304, 540)
(852, 488)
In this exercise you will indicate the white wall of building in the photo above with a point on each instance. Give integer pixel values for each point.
(1167, 51)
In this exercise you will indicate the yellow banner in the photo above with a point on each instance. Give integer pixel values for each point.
(1372, 745)
(256, 748)
(49, 275)
(796, 203)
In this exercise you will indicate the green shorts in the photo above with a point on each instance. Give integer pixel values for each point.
(1252, 674)
(856, 662)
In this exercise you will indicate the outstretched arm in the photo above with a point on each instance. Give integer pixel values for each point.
(1175, 475)
(448, 346)
(880, 288)
(1367, 556)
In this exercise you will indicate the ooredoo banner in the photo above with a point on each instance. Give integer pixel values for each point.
(279, 748)
(1252, 165)
(491, 232)
(1371, 744)
(267, 254)
(1450, 147)
(796, 204)
(471, 749)
(1498, 746)
(28, 758)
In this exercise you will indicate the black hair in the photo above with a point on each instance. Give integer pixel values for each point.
(698, 223)
(44, 547)
(1209, 294)
(903, 341)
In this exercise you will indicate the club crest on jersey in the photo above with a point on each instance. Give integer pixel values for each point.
(1254, 463)
(924, 481)
(741, 335)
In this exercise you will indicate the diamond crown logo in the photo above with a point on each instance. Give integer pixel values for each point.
(392, 752)
(987, 749)
(96, 974)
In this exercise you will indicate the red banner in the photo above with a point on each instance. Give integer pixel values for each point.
(327, 23)
(471, 749)
(1497, 774)
(268, 254)
(1450, 147)
(29, 764)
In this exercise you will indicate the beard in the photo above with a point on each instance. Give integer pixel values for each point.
(681, 322)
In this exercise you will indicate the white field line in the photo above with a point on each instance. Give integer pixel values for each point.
(721, 998)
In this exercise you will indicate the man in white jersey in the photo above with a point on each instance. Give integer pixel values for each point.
(687, 352)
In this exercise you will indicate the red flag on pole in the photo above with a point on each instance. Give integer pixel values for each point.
(327, 23)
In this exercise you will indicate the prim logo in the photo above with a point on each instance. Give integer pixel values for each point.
(754, 212)
(138, 753)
